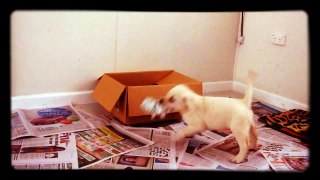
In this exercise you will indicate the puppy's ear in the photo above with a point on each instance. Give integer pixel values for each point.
(172, 99)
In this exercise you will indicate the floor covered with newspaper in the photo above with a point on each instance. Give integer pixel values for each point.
(90, 138)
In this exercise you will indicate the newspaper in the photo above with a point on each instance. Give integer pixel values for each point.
(99, 144)
(223, 151)
(285, 155)
(163, 149)
(276, 136)
(175, 127)
(287, 161)
(181, 147)
(52, 152)
(132, 162)
(206, 137)
(261, 109)
(53, 166)
(189, 160)
(48, 121)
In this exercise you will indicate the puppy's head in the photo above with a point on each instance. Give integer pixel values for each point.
(177, 99)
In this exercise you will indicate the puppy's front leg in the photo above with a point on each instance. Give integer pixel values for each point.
(186, 132)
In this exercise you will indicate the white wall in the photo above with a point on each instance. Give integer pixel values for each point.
(283, 70)
(59, 51)
(201, 45)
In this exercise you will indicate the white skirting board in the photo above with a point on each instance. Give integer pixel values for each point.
(51, 99)
(271, 98)
(84, 97)
(216, 86)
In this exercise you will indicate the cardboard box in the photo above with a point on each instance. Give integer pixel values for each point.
(122, 93)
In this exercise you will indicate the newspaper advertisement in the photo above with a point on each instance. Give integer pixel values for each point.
(163, 150)
(48, 121)
(285, 155)
(287, 161)
(55, 151)
(98, 144)
(223, 151)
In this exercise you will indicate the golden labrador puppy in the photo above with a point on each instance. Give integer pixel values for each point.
(215, 113)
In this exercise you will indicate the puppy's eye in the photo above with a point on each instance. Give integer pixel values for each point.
(172, 99)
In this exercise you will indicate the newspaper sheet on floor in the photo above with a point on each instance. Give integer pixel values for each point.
(261, 109)
(133, 162)
(162, 153)
(276, 136)
(186, 158)
(99, 144)
(53, 152)
(283, 153)
(48, 121)
(287, 161)
(223, 151)
(189, 160)
(181, 145)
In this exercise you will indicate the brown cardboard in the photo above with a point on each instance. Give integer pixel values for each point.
(122, 93)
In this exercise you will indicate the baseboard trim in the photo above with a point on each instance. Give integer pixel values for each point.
(84, 97)
(271, 98)
(51, 99)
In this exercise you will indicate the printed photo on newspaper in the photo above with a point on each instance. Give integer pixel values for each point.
(163, 150)
(48, 121)
(99, 144)
(53, 152)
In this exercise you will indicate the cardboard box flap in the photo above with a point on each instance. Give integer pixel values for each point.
(108, 91)
(176, 78)
(140, 78)
(136, 94)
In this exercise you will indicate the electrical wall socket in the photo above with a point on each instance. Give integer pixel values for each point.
(278, 38)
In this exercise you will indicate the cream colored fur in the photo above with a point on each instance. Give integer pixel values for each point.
(214, 113)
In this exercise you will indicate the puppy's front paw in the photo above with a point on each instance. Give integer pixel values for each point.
(176, 137)
(238, 160)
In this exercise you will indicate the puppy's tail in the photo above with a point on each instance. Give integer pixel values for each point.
(248, 95)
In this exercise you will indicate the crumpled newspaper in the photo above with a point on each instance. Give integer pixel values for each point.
(153, 106)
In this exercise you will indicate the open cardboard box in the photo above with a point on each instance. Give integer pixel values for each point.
(122, 93)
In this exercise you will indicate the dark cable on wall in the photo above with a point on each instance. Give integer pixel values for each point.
(242, 23)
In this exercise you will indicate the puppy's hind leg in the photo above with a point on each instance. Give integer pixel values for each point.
(243, 142)
(253, 138)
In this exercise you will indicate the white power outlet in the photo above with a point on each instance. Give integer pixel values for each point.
(278, 38)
